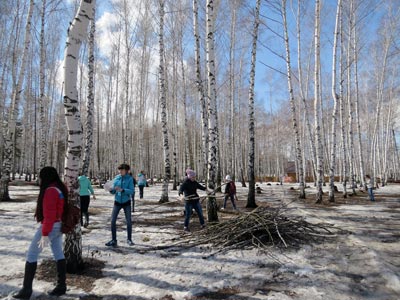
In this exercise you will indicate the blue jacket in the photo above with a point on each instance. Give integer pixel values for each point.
(85, 187)
(141, 180)
(126, 183)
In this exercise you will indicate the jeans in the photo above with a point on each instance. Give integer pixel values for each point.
(141, 187)
(114, 215)
(371, 194)
(189, 205)
(232, 200)
(56, 242)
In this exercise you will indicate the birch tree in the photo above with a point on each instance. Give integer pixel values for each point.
(76, 34)
(299, 156)
(251, 197)
(356, 101)
(199, 85)
(335, 97)
(212, 112)
(317, 100)
(42, 117)
(11, 129)
(90, 98)
(163, 104)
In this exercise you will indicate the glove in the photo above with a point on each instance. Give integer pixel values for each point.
(94, 197)
(44, 241)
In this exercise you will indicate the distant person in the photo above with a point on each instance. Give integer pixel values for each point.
(230, 191)
(192, 200)
(142, 182)
(133, 194)
(85, 190)
(51, 202)
(370, 187)
(122, 188)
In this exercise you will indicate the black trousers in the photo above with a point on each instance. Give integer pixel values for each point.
(141, 188)
(85, 200)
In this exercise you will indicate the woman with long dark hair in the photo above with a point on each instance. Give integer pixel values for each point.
(52, 200)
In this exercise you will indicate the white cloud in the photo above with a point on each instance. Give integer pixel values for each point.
(105, 32)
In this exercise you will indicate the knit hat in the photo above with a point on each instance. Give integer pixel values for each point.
(190, 173)
(228, 178)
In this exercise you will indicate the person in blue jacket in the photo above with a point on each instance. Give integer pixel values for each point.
(142, 181)
(122, 189)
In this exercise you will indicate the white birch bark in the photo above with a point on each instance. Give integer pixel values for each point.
(317, 96)
(304, 94)
(163, 104)
(335, 97)
(10, 133)
(200, 89)
(212, 112)
(251, 201)
(350, 105)
(299, 157)
(356, 104)
(90, 99)
(42, 117)
(342, 119)
(231, 127)
(76, 34)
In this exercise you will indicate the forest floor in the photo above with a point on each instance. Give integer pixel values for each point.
(363, 262)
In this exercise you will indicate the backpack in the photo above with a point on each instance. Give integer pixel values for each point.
(71, 215)
(232, 188)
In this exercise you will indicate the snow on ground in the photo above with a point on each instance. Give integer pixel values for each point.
(363, 264)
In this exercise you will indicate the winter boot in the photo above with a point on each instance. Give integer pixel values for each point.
(61, 286)
(26, 291)
(86, 220)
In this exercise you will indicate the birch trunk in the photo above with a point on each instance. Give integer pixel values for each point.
(317, 96)
(212, 113)
(304, 95)
(90, 99)
(356, 104)
(163, 104)
(231, 131)
(342, 120)
(299, 157)
(335, 97)
(251, 197)
(10, 133)
(76, 34)
(42, 117)
(350, 105)
(200, 89)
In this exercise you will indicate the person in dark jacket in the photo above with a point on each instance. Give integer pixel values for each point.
(122, 189)
(192, 200)
(230, 191)
(52, 200)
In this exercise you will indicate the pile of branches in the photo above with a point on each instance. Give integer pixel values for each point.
(262, 228)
